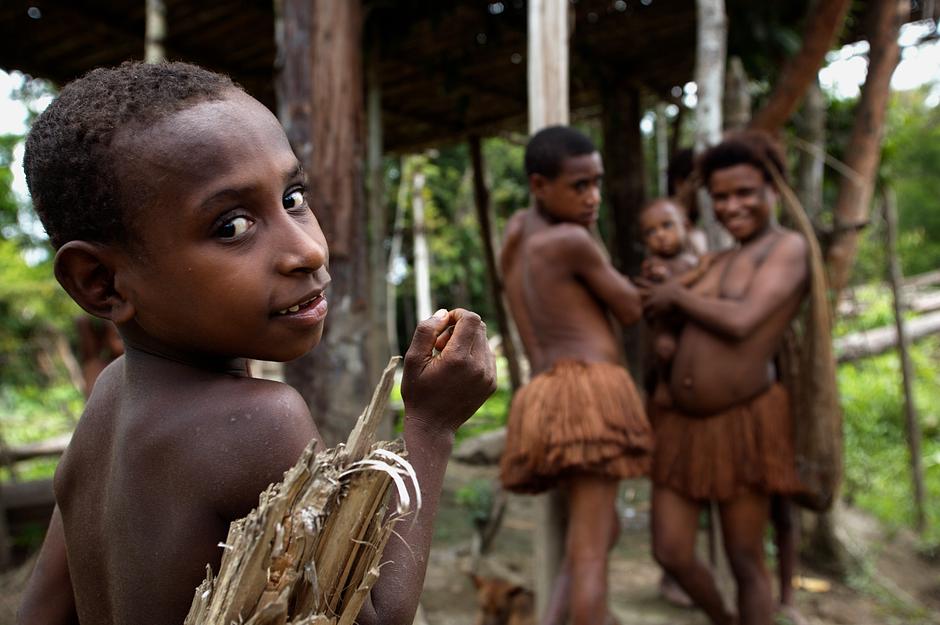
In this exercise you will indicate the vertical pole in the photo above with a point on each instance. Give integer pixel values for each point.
(710, 53)
(376, 219)
(320, 89)
(155, 31)
(907, 371)
(548, 104)
(422, 256)
(481, 197)
(662, 150)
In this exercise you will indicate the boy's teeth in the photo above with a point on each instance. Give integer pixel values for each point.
(294, 308)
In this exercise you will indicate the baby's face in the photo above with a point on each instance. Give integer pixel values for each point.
(233, 262)
(663, 230)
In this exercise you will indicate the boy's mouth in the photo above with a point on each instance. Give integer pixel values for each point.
(302, 305)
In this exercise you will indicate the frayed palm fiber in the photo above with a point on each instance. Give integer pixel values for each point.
(808, 370)
(722, 456)
(576, 418)
(310, 552)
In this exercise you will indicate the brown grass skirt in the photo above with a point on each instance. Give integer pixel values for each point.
(721, 456)
(576, 418)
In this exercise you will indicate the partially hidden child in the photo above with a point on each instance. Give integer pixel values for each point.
(579, 425)
(179, 212)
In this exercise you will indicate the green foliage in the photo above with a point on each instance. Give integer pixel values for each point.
(476, 498)
(877, 463)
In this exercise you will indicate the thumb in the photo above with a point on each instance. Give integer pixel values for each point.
(422, 344)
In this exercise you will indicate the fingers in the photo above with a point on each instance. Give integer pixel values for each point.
(425, 337)
(468, 336)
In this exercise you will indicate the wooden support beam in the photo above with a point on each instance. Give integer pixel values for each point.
(320, 87)
(481, 196)
(548, 105)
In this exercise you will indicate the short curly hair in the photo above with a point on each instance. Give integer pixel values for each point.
(549, 147)
(747, 147)
(69, 161)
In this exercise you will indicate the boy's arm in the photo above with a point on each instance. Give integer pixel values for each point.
(48, 598)
(440, 393)
(776, 280)
(590, 264)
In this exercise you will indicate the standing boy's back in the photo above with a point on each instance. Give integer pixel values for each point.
(179, 213)
(579, 424)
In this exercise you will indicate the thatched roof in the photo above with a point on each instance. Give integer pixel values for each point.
(447, 68)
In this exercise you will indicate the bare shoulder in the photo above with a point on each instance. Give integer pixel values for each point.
(256, 430)
(512, 237)
(564, 238)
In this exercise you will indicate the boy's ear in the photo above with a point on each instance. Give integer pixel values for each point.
(86, 271)
(537, 183)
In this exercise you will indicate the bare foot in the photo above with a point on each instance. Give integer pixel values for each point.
(789, 615)
(670, 590)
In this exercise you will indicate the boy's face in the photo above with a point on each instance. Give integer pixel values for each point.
(233, 262)
(663, 230)
(743, 200)
(575, 194)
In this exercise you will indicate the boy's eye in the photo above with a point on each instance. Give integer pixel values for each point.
(233, 228)
(294, 199)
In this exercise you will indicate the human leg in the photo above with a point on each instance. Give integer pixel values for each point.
(786, 535)
(743, 521)
(592, 527)
(675, 524)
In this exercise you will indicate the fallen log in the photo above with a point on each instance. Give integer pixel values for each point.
(310, 552)
(43, 449)
(860, 345)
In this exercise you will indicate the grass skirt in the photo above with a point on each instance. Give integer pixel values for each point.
(721, 456)
(576, 418)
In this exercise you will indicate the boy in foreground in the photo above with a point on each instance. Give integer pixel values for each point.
(178, 211)
(580, 423)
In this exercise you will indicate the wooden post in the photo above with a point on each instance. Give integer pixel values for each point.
(711, 49)
(548, 104)
(737, 97)
(422, 255)
(394, 252)
(662, 150)
(811, 165)
(625, 190)
(907, 370)
(378, 348)
(481, 197)
(155, 31)
(320, 90)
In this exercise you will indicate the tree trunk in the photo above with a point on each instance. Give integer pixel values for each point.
(858, 345)
(823, 23)
(811, 166)
(710, 53)
(548, 104)
(320, 93)
(912, 426)
(737, 97)
(864, 149)
(625, 184)
(155, 31)
(662, 150)
(481, 196)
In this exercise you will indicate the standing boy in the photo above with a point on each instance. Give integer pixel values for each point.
(179, 212)
(579, 424)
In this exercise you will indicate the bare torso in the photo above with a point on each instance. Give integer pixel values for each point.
(713, 371)
(557, 314)
(154, 475)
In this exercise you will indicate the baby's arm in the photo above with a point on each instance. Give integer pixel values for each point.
(48, 598)
(440, 393)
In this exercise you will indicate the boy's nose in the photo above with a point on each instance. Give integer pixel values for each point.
(305, 251)
(594, 195)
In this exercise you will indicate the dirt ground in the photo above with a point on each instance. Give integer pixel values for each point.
(894, 584)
